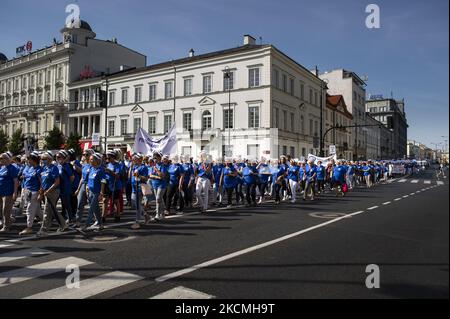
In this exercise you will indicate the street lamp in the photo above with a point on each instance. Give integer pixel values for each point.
(227, 79)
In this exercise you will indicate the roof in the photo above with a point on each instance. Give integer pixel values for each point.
(334, 101)
(85, 25)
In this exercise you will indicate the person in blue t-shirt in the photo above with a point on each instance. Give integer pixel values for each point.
(113, 191)
(350, 175)
(278, 175)
(81, 189)
(31, 187)
(49, 192)
(158, 175)
(320, 177)
(228, 179)
(75, 164)
(175, 187)
(8, 189)
(67, 178)
(188, 181)
(218, 191)
(264, 176)
(366, 169)
(294, 178)
(250, 176)
(310, 174)
(138, 175)
(94, 185)
(339, 176)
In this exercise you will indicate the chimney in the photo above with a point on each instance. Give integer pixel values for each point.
(248, 39)
(191, 53)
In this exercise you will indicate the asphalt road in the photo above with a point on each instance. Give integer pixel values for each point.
(309, 249)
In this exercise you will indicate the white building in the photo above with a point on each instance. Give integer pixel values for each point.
(352, 88)
(270, 105)
(34, 87)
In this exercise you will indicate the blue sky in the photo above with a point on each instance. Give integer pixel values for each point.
(408, 55)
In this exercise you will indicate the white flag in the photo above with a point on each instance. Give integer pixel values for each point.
(143, 143)
(324, 160)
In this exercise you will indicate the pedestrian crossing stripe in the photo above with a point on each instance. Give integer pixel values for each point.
(427, 182)
(415, 181)
(22, 253)
(89, 287)
(6, 245)
(403, 180)
(40, 270)
(182, 293)
(440, 182)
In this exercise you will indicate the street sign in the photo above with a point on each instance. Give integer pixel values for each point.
(95, 139)
(332, 149)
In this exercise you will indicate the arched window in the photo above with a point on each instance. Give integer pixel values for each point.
(206, 120)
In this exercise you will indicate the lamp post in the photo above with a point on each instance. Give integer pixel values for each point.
(227, 79)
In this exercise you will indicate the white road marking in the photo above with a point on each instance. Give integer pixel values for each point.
(244, 251)
(6, 245)
(414, 181)
(405, 196)
(22, 253)
(427, 182)
(182, 293)
(402, 180)
(89, 287)
(386, 203)
(39, 270)
(373, 207)
(397, 199)
(411, 194)
(440, 182)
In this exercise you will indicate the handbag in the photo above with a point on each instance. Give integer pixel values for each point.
(345, 188)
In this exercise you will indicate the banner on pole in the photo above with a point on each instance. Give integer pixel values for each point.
(324, 160)
(143, 142)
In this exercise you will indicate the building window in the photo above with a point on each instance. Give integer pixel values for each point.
(187, 87)
(60, 76)
(111, 125)
(38, 129)
(311, 127)
(137, 95)
(292, 122)
(253, 117)
(187, 121)
(276, 117)
(123, 126)
(284, 150)
(302, 124)
(136, 124)
(227, 118)
(292, 153)
(303, 152)
(276, 78)
(285, 120)
(206, 120)
(186, 150)
(152, 92)
(152, 124)
(310, 96)
(32, 80)
(48, 77)
(354, 96)
(124, 96)
(39, 99)
(207, 84)
(31, 99)
(228, 82)
(59, 95)
(167, 123)
(112, 98)
(292, 89)
(16, 84)
(168, 90)
(284, 83)
(316, 102)
(253, 150)
(253, 77)
(316, 128)
(24, 100)
(40, 78)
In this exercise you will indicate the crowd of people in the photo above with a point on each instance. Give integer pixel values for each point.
(159, 185)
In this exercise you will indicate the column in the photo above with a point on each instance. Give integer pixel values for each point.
(89, 125)
(82, 126)
(93, 124)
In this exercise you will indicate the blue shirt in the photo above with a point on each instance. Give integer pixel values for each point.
(366, 170)
(339, 173)
(277, 172)
(95, 177)
(217, 171)
(159, 183)
(188, 171)
(249, 178)
(204, 170)
(310, 170)
(350, 170)
(229, 181)
(65, 172)
(293, 173)
(49, 174)
(175, 171)
(114, 183)
(85, 172)
(142, 170)
(320, 170)
(264, 168)
(31, 177)
(7, 175)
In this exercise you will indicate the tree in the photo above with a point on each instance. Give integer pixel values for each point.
(73, 141)
(54, 140)
(4, 140)
(17, 142)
